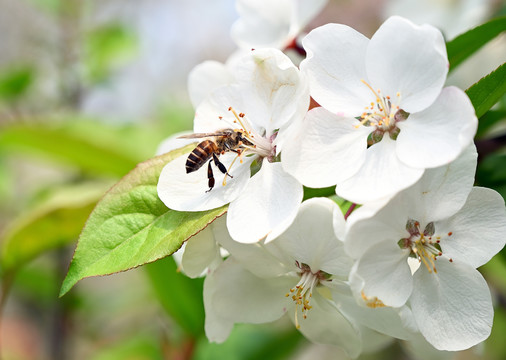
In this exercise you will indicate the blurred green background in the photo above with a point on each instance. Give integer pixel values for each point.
(89, 88)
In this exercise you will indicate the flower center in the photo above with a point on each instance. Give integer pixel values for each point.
(372, 301)
(424, 245)
(252, 144)
(257, 143)
(383, 113)
(303, 291)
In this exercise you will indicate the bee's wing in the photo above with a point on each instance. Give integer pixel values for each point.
(202, 135)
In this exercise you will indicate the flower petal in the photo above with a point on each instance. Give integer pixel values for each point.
(367, 226)
(217, 328)
(213, 113)
(335, 67)
(442, 191)
(382, 175)
(311, 239)
(325, 149)
(188, 192)
(477, 230)
(266, 207)
(262, 23)
(438, 135)
(409, 59)
(385, 320)
(201, 250)
(275, 90)
(206, 77)
(326, 325)
(241, 297)
(453, 308)
(420, 349)
(271, 92)
(256, 258)
(386, 274)
(305, 11)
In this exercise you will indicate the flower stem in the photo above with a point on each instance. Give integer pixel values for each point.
(350, 210)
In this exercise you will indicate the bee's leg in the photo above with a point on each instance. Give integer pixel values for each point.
(210, 176)
(220, 166)
(239, 153)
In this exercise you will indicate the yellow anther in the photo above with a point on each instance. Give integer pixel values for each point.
(372, 302)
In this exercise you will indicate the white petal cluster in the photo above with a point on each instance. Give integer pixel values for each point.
(268, 95)
(388, 135)
(384, 115)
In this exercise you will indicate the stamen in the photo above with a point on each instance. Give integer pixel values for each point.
(239, 117)
(303, 291)
(372, 302)
(378, 98)
(366, 119)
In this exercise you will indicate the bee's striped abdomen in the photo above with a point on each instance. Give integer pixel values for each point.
(200, 155)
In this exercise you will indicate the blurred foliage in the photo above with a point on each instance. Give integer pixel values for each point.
(51, 6)
(94, 148)
(489, 120)
(249, 342)
(37, 282)
(15, 82)
(5, 180)
(54, 223)
(492, 172)
(140, 347)
(182, 300)
(107, 48)
(495, 346)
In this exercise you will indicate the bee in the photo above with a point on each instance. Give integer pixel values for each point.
(218, 144)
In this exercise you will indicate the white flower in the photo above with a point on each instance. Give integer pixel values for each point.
(451, 230)
(392, 84)
(268, 95)
(302, 274)
(208, 76)
(275, 24)
(260, 283)
(201, 254)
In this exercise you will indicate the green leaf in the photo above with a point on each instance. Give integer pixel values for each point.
(15, 81)
(186, 307)
(130, 226)
(106, 48)
(486, 92)
(321, 192)
(55, 222)
(248, 342)
(488, 120)
(281, 346)
(463, 46)
(142, 346)
(495, 346)
(95, 148)
(491, 172)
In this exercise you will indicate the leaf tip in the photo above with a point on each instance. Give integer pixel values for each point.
(67, 284)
